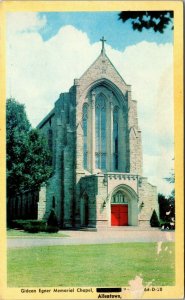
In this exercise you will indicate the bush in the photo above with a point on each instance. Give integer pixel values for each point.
(154, 221)
(167, 226)
(28, 225)
(52, 220)
(52, 229)
(52, 223)
(41, 224)
(32, 228)
(19, 224)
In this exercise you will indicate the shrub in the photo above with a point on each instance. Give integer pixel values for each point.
(19, 224)
(52, 220)
(167, 226)
(28, 225)
(32, 228)
(41, 224)
(52, 223)
(154, 221)
(52, 229)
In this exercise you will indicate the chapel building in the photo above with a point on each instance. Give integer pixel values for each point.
(95, 140)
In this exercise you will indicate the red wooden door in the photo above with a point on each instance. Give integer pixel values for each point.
(115, 215)
(123, 215)
(119, 215)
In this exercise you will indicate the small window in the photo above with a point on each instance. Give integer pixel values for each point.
(119, 197)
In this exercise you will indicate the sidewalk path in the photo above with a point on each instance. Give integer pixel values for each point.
(100, 237)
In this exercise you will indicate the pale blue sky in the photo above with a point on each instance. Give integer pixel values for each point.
(97, 24)
(46, 51)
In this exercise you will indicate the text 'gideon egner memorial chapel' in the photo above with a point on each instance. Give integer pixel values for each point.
(96, 148)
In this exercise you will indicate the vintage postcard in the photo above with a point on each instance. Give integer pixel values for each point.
(91, 150)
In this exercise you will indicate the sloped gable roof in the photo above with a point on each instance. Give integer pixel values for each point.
(102, 67)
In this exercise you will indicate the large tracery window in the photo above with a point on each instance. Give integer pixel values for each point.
(84, 125)
(100, 131)
(115, 138)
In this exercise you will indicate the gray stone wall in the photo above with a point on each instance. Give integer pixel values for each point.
(147, 202)
(101, 208)
(135, 148)
(60, 187)
(88, 185)
(103, 70)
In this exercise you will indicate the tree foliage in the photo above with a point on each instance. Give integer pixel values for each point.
(156, 20)
(28, 155)
(171, 178)
(166, 208)
(154, 221)
(167, 204)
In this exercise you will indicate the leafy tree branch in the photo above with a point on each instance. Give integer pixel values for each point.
(28, 155)
(156, 20)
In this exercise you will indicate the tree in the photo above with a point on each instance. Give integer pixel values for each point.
(171, 178)
(166, 208)
(171, 198)
(28, 155)
(154, 221)
(156, 20)
(163, 206)
(52, 223)
(37, 166)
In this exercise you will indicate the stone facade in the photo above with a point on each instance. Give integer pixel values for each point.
(96, 147)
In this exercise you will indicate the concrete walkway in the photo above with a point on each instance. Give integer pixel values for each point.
(99, 237)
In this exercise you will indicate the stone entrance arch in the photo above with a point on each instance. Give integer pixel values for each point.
(84, 210)
(123, 206)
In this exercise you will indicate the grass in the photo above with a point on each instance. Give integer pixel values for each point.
(13, 233)
(91, 265)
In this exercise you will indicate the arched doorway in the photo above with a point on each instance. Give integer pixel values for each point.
(123, 207)
(84, 210)
(119, 209)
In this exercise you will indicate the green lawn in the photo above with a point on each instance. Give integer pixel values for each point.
(91, 265)
(12, 233)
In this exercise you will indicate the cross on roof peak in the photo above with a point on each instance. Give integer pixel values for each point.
(103, 42)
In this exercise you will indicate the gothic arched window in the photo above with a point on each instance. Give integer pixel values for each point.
(100, 130)
(115, 138)
(84, 125)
